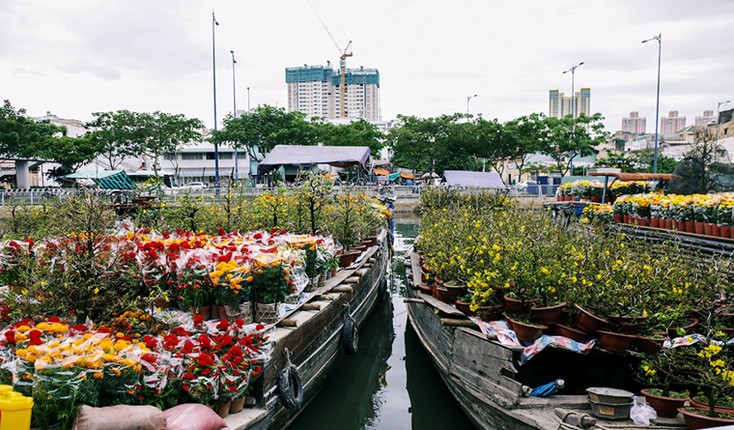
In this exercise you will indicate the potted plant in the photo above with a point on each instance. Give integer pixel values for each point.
(271, 284)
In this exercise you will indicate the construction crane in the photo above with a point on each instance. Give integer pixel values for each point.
(343, 54)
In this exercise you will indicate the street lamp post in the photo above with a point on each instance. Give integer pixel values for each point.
(573, 89)
(248, 99)
(214, 80)
(573, 105)
(657, 102)
(234, 115)
(468, 98)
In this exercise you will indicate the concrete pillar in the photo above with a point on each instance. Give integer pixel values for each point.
(22, 176)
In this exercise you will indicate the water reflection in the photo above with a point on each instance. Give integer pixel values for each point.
(391, 383)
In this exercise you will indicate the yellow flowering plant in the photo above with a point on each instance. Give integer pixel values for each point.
(707, 365)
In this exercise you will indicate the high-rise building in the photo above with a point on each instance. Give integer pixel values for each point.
(705, 120)
(669, 125)
(559, 105)
(634, 124)
(314, 90)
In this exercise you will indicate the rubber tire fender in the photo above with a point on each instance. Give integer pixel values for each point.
(290, 389)
(350, 336)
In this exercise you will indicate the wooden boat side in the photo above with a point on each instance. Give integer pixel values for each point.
(480, 372)
(314, 341)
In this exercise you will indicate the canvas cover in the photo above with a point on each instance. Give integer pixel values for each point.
(465, 178)
(307, 156)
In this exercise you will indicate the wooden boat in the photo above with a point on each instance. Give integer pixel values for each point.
(313, 338)
(489, 384)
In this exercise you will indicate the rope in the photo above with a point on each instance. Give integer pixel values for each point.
(287, 353)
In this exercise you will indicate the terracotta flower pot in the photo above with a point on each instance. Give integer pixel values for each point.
(708, 229)
(696, 420)
(237, 405)
(687, 327)
(518, 305)
(464, 307)
(618, 218)
(705, 406)
(666, 407)
(615, 342)
(441, 293)
(559, 198)
(204, 311)
(570, 332)
(587, 321)
(223, 409)
(725, 231)
(455, 291)
(715, 230)
(690, 227)
(425, 289)
(346, 259)
(490, 313)
(643, 221)
(627, 324)
(548, 315)
(649, 345)
(527, 332)
(698, 227)
(654, 222)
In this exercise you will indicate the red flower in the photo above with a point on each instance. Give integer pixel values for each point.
(221, 232)
(188, 376)
(150, 358)
(10, 336)
(223, 325)
(204, 341)
(259, 327)
(205, 359)
(198, 319)
(188, 347)
(150, 341)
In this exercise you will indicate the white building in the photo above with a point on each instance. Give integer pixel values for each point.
(560, 105)
(314, 90)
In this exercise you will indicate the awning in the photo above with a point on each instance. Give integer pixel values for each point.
(394, 176)
(106, 179)
(464, 178)
(381, 172)
(307, 156)
(406, 175)
(634, 176)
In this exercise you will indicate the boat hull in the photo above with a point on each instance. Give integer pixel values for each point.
(315, 343)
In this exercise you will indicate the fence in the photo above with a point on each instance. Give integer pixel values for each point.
(46, 195)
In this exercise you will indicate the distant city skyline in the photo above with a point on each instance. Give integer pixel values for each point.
(147, 56)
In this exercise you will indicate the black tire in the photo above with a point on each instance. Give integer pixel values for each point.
(350, 336)
(383, 294)
(290, 389)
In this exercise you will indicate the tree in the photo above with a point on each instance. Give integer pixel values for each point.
(22, 136)
(500, 144)
(114, 133)
(71, 153)
(703, 167)
(356, 133)
(261, 129)
(432, 144)
(564, 139)
(160, 133)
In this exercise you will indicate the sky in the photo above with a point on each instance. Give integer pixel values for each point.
(77, 57)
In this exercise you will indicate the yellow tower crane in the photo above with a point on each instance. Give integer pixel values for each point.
(343, 54)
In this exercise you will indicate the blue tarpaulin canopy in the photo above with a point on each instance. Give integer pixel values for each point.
(465, 178)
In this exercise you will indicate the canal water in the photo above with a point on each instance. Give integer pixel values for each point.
(391, 383)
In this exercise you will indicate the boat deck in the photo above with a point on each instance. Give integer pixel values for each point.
(312, 334)
(484, 375)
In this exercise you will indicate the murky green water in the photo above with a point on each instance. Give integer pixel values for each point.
(391, 383)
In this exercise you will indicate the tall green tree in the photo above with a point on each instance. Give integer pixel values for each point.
(261, 129)
(115, 134)
(432, 144)
(564, 139)
(160, 133)
(355, 133)
(70, 153)
(23, 137)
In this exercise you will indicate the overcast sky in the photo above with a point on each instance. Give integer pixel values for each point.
(77, 57)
